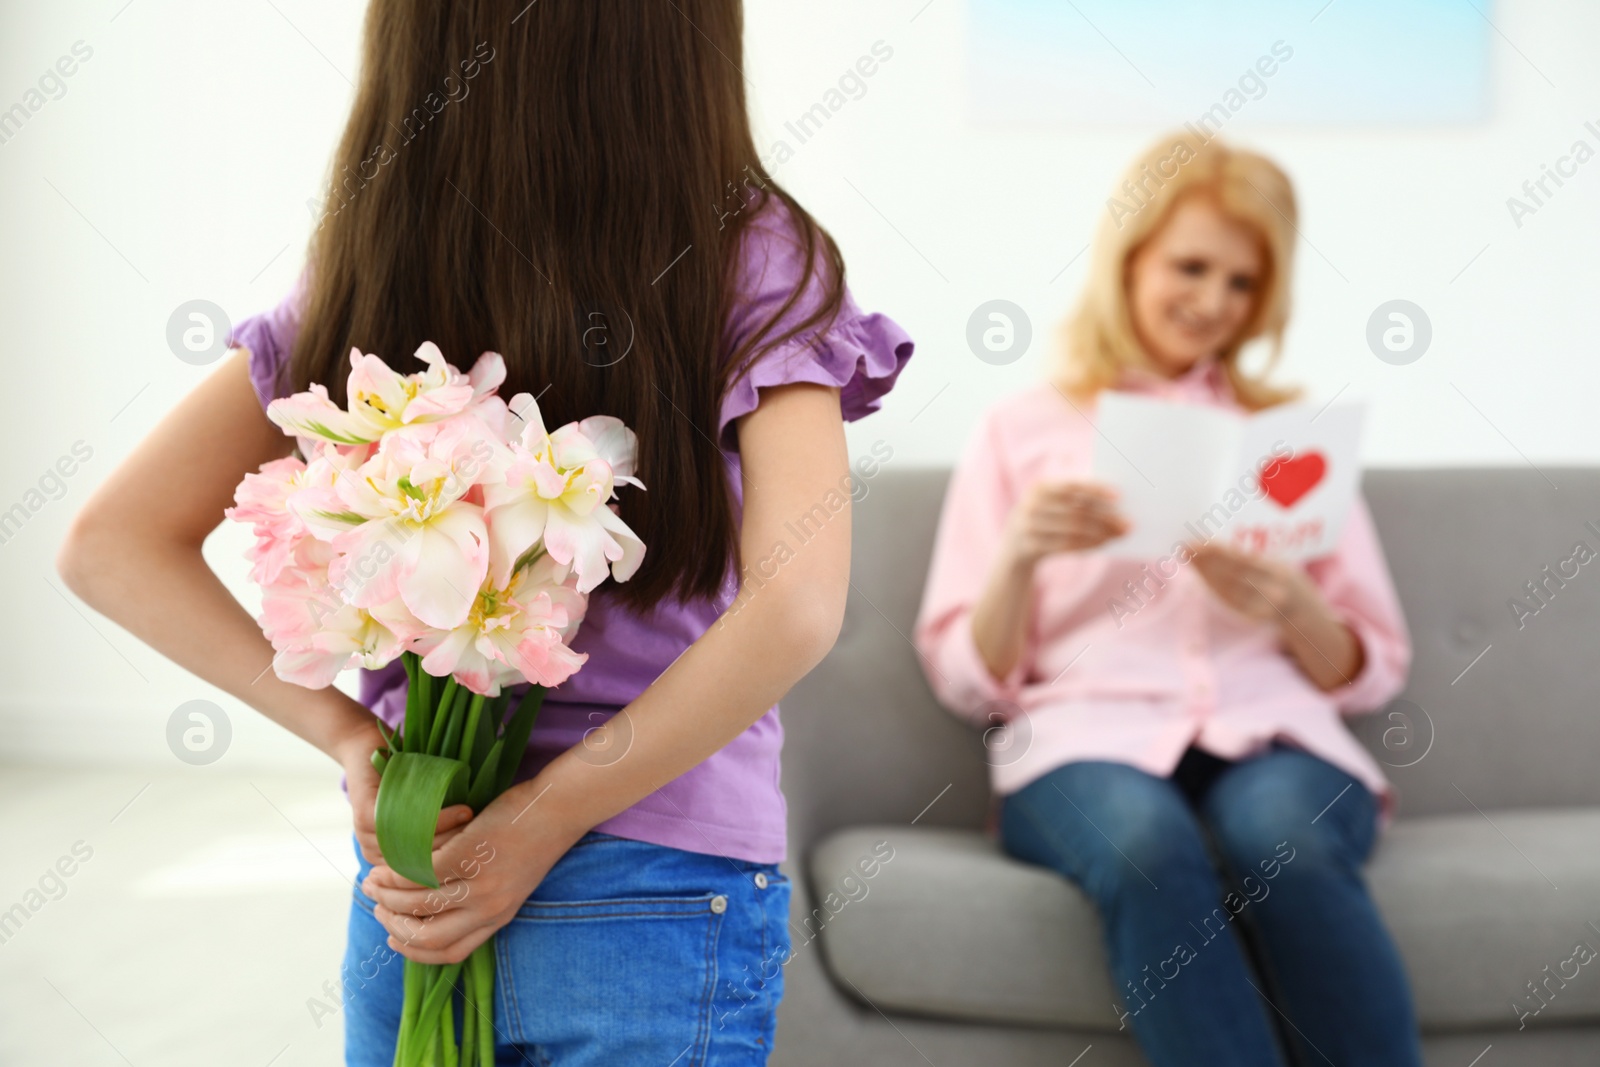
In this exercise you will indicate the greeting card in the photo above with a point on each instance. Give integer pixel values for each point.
(1278, 482)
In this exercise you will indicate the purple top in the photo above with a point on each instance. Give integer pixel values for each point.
(731, 803)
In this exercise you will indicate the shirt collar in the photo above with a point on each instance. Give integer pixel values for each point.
(1201, 382)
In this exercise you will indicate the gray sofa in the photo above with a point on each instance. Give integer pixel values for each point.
(948, 952)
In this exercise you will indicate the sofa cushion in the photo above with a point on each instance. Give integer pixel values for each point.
(947, 925)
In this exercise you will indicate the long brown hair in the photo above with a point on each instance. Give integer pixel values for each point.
(535, 179)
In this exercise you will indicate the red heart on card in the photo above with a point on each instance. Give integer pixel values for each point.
(1287, 480)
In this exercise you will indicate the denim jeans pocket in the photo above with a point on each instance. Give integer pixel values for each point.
(627, 979)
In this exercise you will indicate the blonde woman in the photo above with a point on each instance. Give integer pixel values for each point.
(1184, 764)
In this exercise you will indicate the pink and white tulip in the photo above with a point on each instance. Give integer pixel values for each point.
(557, 490)
(381, 400)
(513, 634)
(432, 517)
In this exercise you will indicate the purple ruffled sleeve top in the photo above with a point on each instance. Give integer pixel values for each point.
(731, 803)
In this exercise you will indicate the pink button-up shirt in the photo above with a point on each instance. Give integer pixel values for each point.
(1171, 664)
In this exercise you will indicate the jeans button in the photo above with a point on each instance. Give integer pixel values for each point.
(761, 879)
(719, 903)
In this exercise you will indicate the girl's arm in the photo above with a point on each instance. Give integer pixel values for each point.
(794, 456)
(133, 554)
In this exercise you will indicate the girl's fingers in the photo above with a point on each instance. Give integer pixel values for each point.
(453, 953)
(418, 904)
(442, 838)
(433, 935)
(452, 821)
(383, 875)
(455, 815)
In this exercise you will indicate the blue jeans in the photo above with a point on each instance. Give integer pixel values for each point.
(1277, 842)
(628, 953)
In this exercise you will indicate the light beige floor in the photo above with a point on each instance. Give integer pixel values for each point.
(200, 931)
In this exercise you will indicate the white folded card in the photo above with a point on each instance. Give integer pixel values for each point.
(1276, 483)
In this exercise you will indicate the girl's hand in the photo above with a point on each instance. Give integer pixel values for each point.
(1260, 589)
(354, 754)
(486, 871)
(1062, 517)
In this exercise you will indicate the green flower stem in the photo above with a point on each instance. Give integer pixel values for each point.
(480, 966)
(457, 716)
(469, 1019)
(460, 746)
(442, 716)
(414, 980)
(442, 983)
(517, 733)
(447, 1029)
(424, 688)
(470, 734)
(413, 732)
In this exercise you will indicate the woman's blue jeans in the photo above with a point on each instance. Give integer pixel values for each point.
(1221, 863)
(628, 954)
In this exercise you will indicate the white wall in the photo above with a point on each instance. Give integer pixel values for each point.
(179, 162)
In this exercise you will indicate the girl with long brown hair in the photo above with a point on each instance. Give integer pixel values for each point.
(572, 184)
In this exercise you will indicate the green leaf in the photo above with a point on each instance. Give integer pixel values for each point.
(516, 736)
(494, 711)
(379, 760)
(486, 778)
(388, 738)
(350, 518)
(414, 789)
(318, 429)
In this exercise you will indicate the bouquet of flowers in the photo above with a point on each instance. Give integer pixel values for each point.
(434, 522)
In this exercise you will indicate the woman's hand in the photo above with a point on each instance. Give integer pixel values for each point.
(354, 753)
(1062, 517)
(1051, 517)
(1261, 589)
(486, 870)
(1325, 649)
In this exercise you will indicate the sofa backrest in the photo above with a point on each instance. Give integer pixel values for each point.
(1517, 726)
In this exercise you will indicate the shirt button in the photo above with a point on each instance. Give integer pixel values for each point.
(761, 879)
(719, 903)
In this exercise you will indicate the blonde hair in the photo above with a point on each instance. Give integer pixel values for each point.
(1098, 338)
